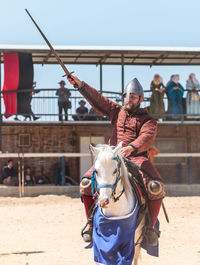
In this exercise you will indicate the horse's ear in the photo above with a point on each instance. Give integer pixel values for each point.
(93, 149)
(117, 148)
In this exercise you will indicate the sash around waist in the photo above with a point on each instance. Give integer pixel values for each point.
(144, 154)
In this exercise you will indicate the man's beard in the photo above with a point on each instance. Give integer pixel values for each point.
(133, 108)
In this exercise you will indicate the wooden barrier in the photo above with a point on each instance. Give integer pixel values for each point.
(64, 155)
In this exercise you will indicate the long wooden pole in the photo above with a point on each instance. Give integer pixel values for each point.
(19, 176)
(23, 172)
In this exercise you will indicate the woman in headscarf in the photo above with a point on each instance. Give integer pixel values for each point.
(156, 102)
(175, 94)
(192, 99)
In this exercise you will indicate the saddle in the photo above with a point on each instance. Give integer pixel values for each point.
(135, 178)
(137, 183)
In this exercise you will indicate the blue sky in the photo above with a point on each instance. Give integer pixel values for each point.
(106, 23)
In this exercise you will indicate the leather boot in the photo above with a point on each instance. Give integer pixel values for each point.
(87, 235)
(152, 235)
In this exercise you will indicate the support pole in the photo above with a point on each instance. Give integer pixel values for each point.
(63, 170)
(101, 79)
(179, 165)
(56, 174)
(122, 69)
(190, 170)
(0, 110)
(19, 176)
(22, 172)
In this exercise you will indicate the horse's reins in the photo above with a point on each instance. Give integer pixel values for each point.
(96, 187)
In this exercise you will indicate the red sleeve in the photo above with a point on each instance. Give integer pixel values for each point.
(146, 136)
(99, 103)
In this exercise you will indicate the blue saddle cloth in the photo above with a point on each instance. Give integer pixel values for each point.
(113, 238)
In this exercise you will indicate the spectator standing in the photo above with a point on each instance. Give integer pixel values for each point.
(156, 102)
(28, 107)
(175, 95)
(192, 99)
(63, 100)
(81, 112)
(9, 176)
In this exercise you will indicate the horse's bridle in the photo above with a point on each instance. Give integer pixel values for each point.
(96, 187)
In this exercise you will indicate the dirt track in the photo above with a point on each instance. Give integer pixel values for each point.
(45, 230)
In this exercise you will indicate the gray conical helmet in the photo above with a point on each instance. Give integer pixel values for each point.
(133, 87)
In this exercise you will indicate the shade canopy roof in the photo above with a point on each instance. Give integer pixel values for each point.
(111, 55)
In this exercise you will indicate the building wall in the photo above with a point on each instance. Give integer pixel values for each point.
(49, 139)
(59, 138)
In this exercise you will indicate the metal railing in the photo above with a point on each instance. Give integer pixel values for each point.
(45, 105)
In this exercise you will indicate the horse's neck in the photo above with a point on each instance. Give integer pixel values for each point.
(123, 206)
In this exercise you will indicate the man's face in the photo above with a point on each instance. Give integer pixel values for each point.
(10, 164)
(62, 85)
(134, 101)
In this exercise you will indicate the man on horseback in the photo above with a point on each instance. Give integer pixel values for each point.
(137, 130)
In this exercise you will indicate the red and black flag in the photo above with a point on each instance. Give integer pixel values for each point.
(18, 75)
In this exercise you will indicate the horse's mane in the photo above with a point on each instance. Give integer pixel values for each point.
(124, 177)
(107, 154)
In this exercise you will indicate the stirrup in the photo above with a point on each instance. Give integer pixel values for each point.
(87, 235)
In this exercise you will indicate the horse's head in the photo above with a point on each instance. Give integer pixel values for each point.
(106, 173)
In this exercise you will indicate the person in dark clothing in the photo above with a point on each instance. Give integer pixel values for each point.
(81, 112)
(27, 109)
(175, 93)
(30, 112)
(9, 176)
(29, 177)
(63, 100)
(95, 116)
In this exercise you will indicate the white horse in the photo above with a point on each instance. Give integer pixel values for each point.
(115, 219)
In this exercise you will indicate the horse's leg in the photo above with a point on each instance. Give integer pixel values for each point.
(138, 240)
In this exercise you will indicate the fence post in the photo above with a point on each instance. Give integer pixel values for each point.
(190, 170)
(1, 123)
(179, 173)
(122, 72)
(56, 174)
(63, 170)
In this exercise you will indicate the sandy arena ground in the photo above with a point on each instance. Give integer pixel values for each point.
(45, 230)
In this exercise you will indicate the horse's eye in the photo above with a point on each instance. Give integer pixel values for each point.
(96, 172)
(115, 171)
